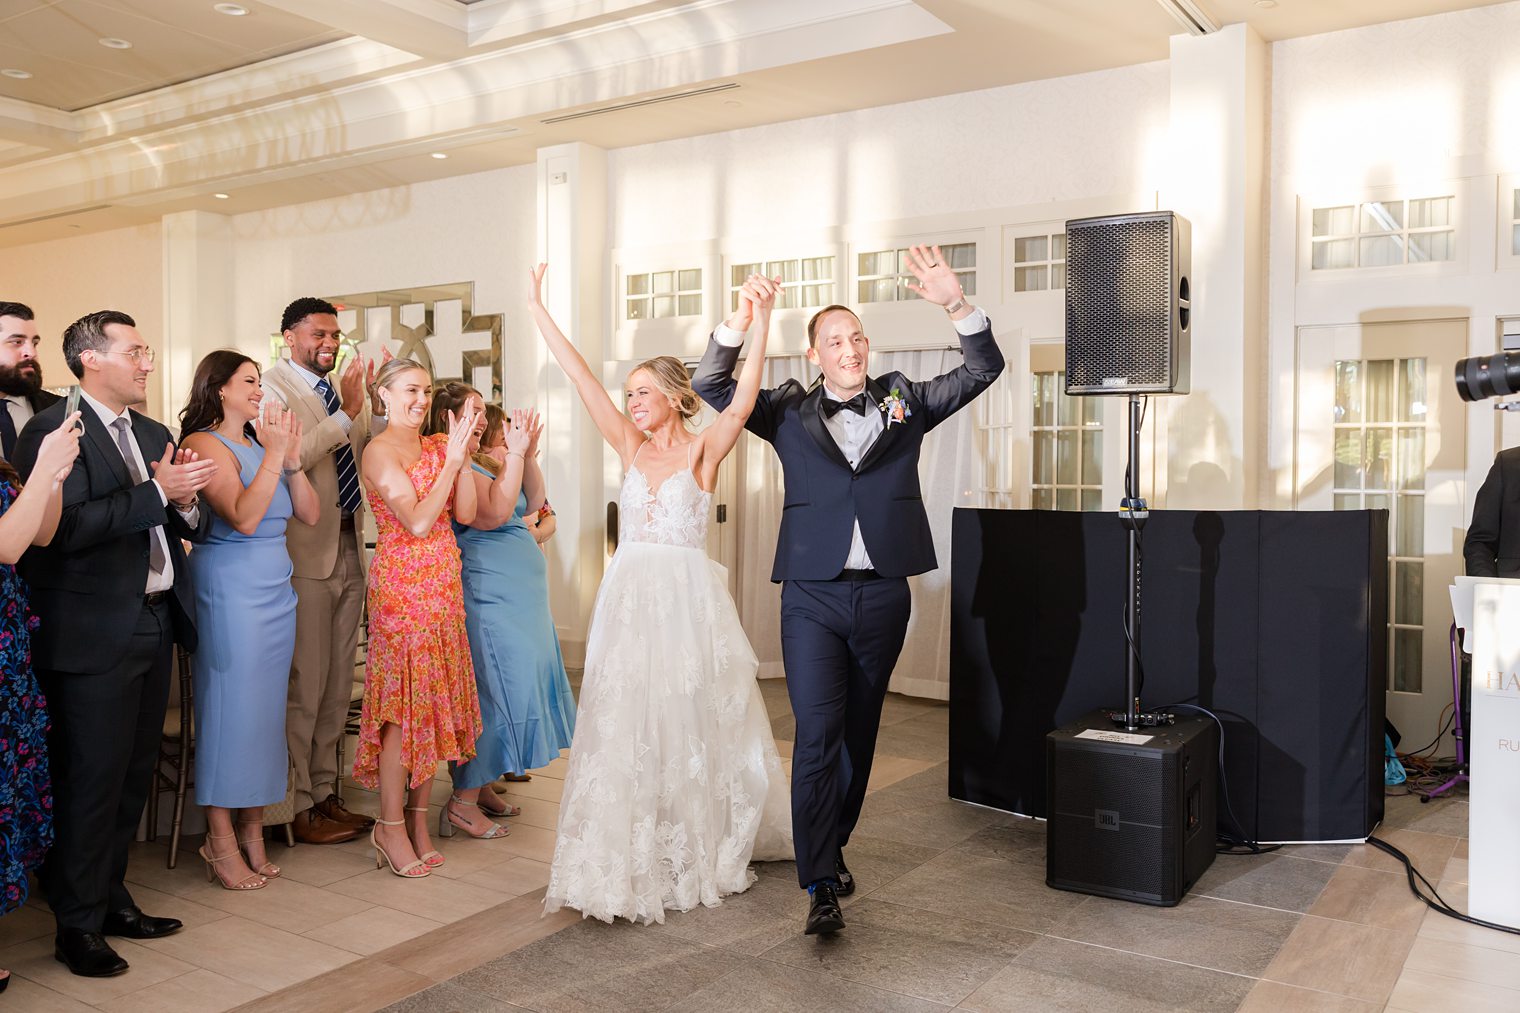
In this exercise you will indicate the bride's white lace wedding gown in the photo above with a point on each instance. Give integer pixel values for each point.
(674, 783)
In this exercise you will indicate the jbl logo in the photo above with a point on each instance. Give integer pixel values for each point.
(1106, 819)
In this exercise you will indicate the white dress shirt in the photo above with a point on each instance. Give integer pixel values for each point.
(853, 433)
(156, 581)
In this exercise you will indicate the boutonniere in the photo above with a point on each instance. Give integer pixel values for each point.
(895, 407)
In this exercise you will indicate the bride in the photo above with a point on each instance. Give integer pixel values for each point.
(674, 783)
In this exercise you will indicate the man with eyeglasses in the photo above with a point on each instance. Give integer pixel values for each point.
(21, 393)
(113, 594)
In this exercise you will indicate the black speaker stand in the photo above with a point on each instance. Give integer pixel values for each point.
(1133, 514)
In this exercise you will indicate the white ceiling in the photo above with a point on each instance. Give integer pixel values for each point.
(303, 99)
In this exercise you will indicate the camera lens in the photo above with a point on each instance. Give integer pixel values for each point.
(1488, 376)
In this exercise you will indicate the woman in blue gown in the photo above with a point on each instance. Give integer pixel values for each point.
(526, 704)
(28, 516)
(244, 610)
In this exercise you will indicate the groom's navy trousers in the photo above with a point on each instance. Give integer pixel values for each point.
(839, 640)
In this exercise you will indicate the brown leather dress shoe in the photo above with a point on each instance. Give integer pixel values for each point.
(333, 808)
(312, 827)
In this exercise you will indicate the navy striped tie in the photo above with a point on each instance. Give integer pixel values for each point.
(348, 475)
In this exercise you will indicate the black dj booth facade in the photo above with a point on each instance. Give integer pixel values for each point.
(1274, 620)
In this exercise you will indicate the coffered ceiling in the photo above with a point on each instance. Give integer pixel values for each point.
(298, 99)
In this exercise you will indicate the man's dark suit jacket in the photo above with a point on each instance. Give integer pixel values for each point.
(87, 585)
(1492, 547)
(824, 496)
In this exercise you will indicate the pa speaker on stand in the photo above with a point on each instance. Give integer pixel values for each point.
(1131, 794)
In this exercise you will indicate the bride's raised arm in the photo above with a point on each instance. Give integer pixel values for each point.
(616, 428)
(760, 292)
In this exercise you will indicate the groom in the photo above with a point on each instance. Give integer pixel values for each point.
(853, 529)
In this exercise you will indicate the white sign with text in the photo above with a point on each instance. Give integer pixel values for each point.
(1494, 755)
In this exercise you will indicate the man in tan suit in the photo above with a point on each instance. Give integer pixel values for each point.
(328, 562)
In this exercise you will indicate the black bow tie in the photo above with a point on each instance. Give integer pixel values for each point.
(856, 404)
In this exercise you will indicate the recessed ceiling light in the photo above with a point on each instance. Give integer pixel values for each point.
(440, 154)
(111, 43)
(231, 10)
(1266, 4)
(19, 75)
(222, 196)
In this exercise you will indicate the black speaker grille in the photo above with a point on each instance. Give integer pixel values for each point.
(1119, 305)
(1141, 788)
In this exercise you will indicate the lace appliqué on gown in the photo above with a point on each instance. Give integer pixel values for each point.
(674, 784)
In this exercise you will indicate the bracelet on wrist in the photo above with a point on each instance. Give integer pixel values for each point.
(958, 305)
(273, 471)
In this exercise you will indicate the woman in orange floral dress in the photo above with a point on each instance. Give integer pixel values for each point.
(420, 706)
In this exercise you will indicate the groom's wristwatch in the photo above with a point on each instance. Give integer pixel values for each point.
(958, 305)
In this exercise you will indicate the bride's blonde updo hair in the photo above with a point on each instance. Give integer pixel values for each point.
(673, 380)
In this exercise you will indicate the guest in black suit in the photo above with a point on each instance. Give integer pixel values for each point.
(21, 393)
(112, 592)
(1492, 547)
(853, 529)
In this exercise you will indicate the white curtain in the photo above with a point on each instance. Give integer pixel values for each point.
(944, 473)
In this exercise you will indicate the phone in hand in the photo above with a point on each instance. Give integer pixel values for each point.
(73, 406)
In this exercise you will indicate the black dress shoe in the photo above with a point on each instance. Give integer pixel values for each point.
(133, 924)
(824, 915)
(846, 881)
(87, 954)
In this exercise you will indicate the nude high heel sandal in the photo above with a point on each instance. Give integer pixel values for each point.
(253, 881)
(411, 870)
(268, 870)
(432, 859)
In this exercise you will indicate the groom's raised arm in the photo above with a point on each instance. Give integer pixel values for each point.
(945, 395)
(714, 380)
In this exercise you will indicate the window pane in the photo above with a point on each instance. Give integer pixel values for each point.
(961, 255)
(905, 293)
(1333, 221)
(1037, 399)
(1332, 254)
(1379, 390)
(690, 280)
(1375, 501)
(1429, 211)
(1057, 275)
(663, 281)
(1381, 251)
(1411, 458)
(1379, 458)
(1044, 458)
(880, 290)
(1030, 248)
(733, 300)
(1092, 455)
(968, 282)
(1348, 390)
(638, 284)
(739, 272)
(786, 270)
(1092, 499)
(1516, 207)
(1058, 245)
(1066, 499)
(1383, 216)
(1348, 501)
(1029, 279)
(1348, 459)
(1043, 499)
(691, 305)
(878, 263)
(1406, 661)
(664, 305)
(1430, 247)
(1409, 593)
(638, 309)
(1514, 240)
(1067, 408)
(1066, 457)
(1409, 534)
(1092, 411)
(818, 269)
(1412, 390)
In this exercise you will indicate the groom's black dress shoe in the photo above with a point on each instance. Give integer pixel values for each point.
(846, 881)
(824, 915)
(133, 924)
(87, 954)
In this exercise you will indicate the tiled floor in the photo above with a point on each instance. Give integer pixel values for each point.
(951, 911)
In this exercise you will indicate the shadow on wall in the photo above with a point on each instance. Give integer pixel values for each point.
(1203, 472)
(328, 213)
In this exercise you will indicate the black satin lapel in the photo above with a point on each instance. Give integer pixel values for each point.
(812, 420)
(105, 445)
(878, 394)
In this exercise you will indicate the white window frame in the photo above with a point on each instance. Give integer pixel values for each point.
(1507, 225)
(898, 247)
(679, 293)
(1307, 204)
(1050, 231)
(791, 290)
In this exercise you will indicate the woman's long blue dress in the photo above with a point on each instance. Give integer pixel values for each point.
(245, 616)
(526, 704)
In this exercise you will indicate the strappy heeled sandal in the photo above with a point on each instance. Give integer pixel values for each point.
(506, 810)
(411, 870)
(448, 819)
(268, 870)
(432, 859)
(253, 881)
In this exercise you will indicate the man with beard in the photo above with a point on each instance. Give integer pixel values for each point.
(21, 393)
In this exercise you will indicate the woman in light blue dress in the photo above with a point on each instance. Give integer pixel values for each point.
(244, 610)
(526, 704)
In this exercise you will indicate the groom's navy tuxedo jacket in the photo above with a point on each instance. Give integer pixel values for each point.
(824, 496)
